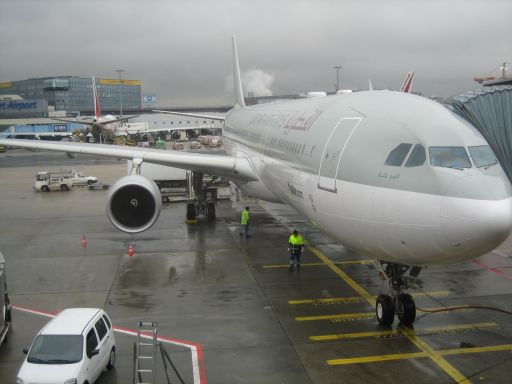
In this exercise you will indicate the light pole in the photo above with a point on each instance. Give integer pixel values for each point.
(119, 71)
(337, 68)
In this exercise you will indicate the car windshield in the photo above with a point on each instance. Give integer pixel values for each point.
(56, 349)
(482, 156)
(451, 157)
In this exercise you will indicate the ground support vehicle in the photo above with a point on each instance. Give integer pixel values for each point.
(203, 193)
(53, 181)
(5, 305)
(78, 178)
(98, 186)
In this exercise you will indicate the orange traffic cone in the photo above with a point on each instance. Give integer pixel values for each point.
(84, 241)
(130, 250)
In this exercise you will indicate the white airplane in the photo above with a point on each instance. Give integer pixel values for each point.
(391, 175)
(113, 125)
(108, 122)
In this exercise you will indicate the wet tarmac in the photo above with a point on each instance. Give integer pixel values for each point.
(227, 308)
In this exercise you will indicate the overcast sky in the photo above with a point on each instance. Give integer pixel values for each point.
(181, 50)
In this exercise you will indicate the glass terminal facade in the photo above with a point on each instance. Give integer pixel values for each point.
(74, 94)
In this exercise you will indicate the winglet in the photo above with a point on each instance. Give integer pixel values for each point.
(370, 86)
(239, 93)
(407, 84)
(97, 110)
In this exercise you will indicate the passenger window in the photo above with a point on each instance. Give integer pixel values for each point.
(101, 328)
(397, 156)
(107, 320)
(451, 157)
(91, 342)
(417, 156)
(482, 156)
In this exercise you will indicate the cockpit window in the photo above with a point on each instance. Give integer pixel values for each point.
(397, 156)
(417, 156)
(482, 156)
(451, 157)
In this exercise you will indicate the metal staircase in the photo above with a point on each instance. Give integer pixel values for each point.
(145, 354)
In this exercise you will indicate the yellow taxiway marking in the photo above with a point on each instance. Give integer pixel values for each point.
(398, 332)
(356, 287)
(375, 359)
(357, 299)
(420, 344)
(491, 348)
(368, 315)
(320, 264)
(403, 356)
(339, 316)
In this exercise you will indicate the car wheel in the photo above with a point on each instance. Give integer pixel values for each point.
(112, 359)
(45, 188)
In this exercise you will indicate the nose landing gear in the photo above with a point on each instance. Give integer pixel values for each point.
(397, 302)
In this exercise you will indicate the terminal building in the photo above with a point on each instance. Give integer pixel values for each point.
(72, 95)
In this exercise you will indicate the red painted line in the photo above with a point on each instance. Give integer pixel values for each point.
(494, 270)
(202, 369)
(35, 311)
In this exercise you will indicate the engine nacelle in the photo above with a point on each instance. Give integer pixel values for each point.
(176, 135)
(134, 204)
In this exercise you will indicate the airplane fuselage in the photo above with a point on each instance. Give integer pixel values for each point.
(371, 169)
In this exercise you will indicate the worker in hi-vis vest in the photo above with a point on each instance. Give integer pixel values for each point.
(296, 244)
(245, 222)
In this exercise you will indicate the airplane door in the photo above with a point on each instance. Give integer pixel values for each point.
(333, 151)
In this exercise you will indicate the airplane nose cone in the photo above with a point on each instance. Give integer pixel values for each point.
(476, 216)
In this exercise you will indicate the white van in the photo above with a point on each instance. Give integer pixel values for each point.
(73, 348)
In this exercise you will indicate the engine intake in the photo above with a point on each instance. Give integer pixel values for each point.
(134, 204)
(176, 135)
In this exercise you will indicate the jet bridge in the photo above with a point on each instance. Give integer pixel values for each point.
(490, 111)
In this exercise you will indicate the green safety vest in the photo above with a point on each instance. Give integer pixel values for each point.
(245, 217)
(296, 240)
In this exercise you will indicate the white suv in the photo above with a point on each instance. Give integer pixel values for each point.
(73, 348)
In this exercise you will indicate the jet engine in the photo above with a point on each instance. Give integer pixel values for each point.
(176, 135)
(134, 204)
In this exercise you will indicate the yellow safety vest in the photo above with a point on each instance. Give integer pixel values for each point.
(296, 240)
(245, 217)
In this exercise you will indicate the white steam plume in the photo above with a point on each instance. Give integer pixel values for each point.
(255, 83)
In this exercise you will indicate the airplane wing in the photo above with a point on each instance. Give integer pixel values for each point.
(115, 121)
(71, 121)
(95, 123)
(231, 167)
(201, 116)
(134, 131)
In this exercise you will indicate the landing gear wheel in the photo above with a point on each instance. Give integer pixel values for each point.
(385, 310)
(408, 313)
(191, 211)
(210, 212)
